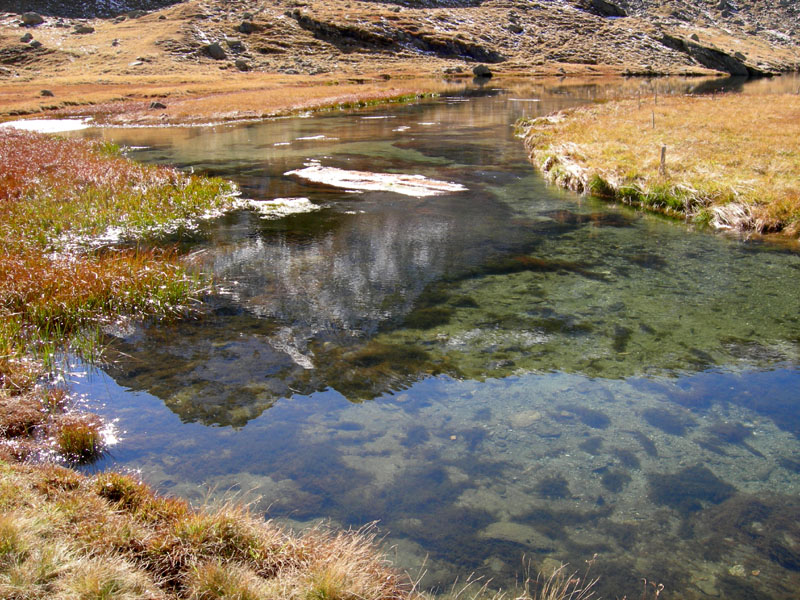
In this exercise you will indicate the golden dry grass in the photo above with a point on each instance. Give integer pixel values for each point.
(63, 535)
(731, 160)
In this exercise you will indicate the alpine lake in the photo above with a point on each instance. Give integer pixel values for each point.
(504, 378)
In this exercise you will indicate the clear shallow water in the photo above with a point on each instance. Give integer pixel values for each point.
(504, 372)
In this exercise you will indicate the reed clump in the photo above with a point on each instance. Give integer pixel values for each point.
(730, 161)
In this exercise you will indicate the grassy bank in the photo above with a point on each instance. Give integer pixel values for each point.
(66, 536)
(127, 101)
(730, 161)
(71, 214)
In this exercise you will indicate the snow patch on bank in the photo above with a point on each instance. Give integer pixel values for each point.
(48, 125)
(281, 207)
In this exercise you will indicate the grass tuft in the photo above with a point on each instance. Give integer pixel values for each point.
(215, 580)
(78, 438)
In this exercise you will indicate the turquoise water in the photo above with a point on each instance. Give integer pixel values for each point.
(502, 375)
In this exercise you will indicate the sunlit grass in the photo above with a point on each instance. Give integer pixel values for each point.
(731, 160)
(51, 189)
(50, 299)
(63, 535)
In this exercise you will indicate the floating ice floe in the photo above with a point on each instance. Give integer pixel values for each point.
(281, 207)
(418, 186)
(524, 100)
(402, 128)
(48, 125)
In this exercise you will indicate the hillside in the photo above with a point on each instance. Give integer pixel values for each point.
(103, 42)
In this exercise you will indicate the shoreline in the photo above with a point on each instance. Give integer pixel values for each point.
(68, 535)
(198, 102)
(697, 158)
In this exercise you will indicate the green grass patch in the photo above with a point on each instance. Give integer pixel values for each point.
(57, 196)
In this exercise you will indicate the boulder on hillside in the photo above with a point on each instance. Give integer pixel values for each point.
(26, 38)
(248, 27)
(31, 19)
(215, 51)
(608, 9)
(234, 44)
(83, 29)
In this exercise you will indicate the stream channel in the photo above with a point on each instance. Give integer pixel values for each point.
(505, 377)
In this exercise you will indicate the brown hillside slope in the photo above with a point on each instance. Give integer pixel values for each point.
(203, 47)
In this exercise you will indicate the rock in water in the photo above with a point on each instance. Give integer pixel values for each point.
(482, 71)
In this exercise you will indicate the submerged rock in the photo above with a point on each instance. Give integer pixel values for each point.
(418, 186)
(281, 207)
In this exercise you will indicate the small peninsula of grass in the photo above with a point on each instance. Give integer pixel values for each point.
(71, 214)
(731, 161)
